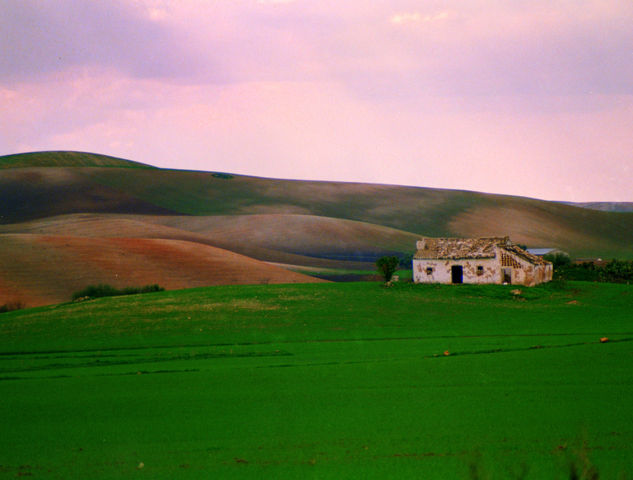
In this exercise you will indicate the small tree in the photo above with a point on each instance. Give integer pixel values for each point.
(387, 266)
(558, 259)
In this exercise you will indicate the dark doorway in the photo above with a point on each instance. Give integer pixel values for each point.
(507, 275)
(457, 274)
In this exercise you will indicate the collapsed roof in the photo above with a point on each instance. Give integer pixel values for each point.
(469, 248)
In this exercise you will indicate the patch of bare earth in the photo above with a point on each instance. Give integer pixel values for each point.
(46, 269)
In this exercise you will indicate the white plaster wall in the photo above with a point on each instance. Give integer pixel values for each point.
(529, 274)
(442, 271)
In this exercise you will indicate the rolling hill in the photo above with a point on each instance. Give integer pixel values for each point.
(66, 159)
(45, 269)
(92, 199)
(306, 240)
(605, 206)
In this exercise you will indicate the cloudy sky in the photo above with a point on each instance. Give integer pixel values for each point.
(532, 98)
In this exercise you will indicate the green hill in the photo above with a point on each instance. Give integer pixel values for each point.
(66, 159)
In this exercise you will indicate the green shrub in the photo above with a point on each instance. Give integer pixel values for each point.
(223, 176)
(11, 306)
(615, 271)
(96, 291)
(387, 266)
(145, 289)
(103, 290)
(558, 259)
(584, 272)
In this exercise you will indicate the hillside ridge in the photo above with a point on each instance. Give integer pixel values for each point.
(31, 193)
(604, 206)
(66, 159)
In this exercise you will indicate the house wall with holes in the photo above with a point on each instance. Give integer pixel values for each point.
(484, 270)
(504, 267)
(524, 272)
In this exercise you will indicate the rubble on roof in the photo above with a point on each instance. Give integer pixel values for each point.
(519, 252)
(457, 248)
(469, 248)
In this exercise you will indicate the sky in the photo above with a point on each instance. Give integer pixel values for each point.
(531, 98)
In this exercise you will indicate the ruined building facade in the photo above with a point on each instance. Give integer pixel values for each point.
(477, 260)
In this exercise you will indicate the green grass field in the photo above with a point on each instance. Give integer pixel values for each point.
(345, 380)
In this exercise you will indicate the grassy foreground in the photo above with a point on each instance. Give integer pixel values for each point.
(349, 380)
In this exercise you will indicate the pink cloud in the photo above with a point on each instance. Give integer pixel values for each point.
(387, 93)
(415, 17)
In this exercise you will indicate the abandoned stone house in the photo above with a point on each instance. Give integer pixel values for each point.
(477, 260)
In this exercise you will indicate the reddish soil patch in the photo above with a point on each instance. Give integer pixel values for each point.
(44, 269)
(287, 238)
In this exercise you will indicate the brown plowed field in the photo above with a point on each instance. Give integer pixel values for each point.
(298, 233)
(45, 269)
(284, 238)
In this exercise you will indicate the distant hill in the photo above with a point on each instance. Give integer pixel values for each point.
(66, 159)
(295, 223)
(29, 193)
(605, 206)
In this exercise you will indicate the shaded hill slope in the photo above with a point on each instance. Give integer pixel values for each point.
(28, 193)
(45, 269)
